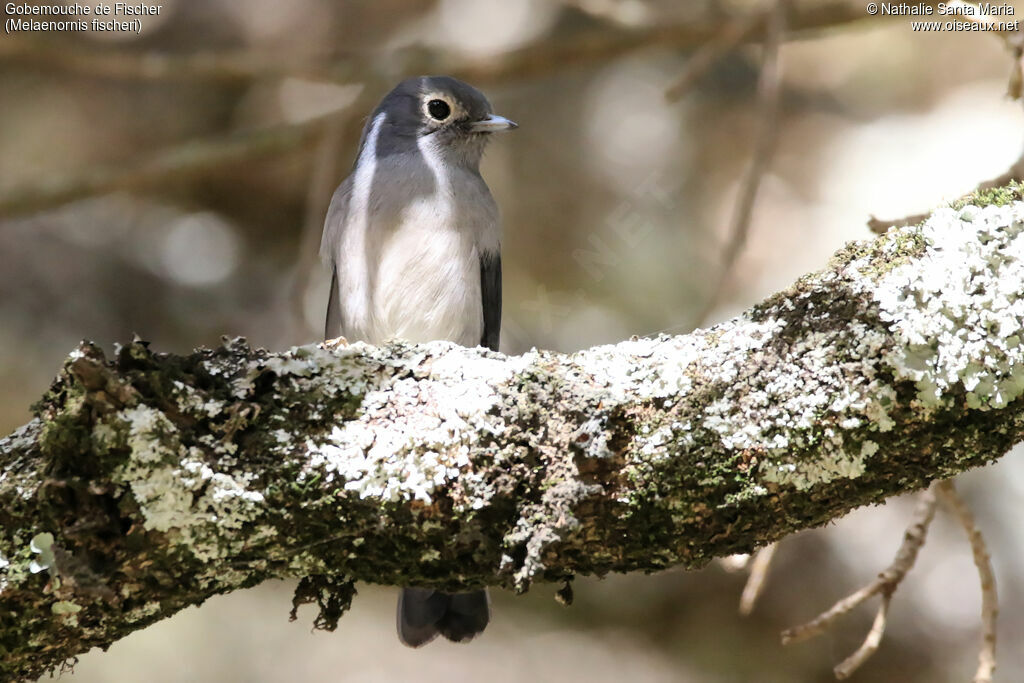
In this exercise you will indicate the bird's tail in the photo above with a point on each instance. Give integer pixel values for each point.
(425, 613)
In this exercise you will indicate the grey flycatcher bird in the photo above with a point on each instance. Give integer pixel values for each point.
(413, 240)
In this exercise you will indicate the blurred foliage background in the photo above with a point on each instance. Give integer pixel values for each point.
(173, 184)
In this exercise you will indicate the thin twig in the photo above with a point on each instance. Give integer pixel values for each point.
(731, 35)
(182, 162)
(820, 624)
(620, 12)
(976, 14)
(871, 642)
(540, 59)
(881, 226)
(323, 180)
(764, 148)
(986, 576)
(1013, 174)
(887, 581)
(194, 158)
(755, 582)
(1014, 41)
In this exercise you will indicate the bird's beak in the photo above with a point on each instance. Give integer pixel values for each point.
(492, 124)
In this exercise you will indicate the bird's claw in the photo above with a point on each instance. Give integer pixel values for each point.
(335, 343)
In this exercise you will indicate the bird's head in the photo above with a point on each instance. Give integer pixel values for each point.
(439, 113)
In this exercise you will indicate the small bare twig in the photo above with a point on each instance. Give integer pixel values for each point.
(768, 87)
(989, 598)
(728, 38)
(185, 161)
(541, 59)
(885, 585)
(1013, 174)
(587, 48)
(845, 669)
(755, 582)
(880, 226)
(977, 14)
(1014, 41)
(323, 179)
(625, 13)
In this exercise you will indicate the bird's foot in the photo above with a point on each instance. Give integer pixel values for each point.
(335, 343)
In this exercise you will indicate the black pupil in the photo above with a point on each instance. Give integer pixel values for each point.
(439, 109)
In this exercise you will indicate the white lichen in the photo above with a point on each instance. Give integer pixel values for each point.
(42, 546)
(66, 611)
(952, 320)
(954, 317)
(142, 612)
(148, 434)
(179, 489)
(414, 436)
(190, 400)
(958, 310)
(646, 367)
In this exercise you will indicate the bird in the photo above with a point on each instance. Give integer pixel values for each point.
(412, 239)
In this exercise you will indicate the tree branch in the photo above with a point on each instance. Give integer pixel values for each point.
(582, 48)
(885, 584)
(179, 163)
(149, 482)
(374, 70)
(987, 576)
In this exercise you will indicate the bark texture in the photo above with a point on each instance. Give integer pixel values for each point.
(148, 482)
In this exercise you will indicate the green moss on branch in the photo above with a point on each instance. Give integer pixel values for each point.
(149, 482)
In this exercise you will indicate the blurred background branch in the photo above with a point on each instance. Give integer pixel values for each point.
(373, 72)
(582, 48)
(769, 85)
(184, 162)
(885, 585)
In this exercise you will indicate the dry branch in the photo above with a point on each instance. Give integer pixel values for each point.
(374, 70)
(584, 48)
(755, 582)
(884, 585)
(768, 96)
(149, 482)
(177, 164)
(987, 578)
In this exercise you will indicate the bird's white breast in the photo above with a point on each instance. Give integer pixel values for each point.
(408, 262)
(428, 284)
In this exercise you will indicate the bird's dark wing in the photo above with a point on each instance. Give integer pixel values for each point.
(490, 295)
(332, 329)
(337, 217)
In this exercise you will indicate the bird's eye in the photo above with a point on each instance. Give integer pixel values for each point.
(439, 109)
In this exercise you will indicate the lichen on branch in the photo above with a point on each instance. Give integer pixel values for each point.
(148, 482)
